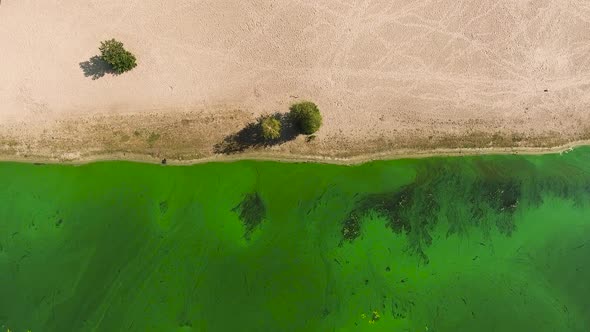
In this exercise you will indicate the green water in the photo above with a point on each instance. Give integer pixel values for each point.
(495, 243)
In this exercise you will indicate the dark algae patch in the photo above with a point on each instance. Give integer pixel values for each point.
(485, 196)
(490, 243)
(251, 211)
(163, 207)
(412, 210)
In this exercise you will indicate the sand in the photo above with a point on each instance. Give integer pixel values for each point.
(389, 76)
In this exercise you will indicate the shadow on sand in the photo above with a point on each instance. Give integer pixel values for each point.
(96, 68)
(251, 136)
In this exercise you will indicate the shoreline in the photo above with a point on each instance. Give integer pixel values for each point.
(193, 137)
(297, 158)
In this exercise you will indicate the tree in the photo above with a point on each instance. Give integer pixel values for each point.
(306, 116)
(271, 128)
(113, 52)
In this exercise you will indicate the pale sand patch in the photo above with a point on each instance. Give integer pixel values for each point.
(388, 75)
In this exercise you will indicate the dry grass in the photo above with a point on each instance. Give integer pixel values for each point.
(193, 135)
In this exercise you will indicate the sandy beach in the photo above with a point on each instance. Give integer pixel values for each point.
(390, 77)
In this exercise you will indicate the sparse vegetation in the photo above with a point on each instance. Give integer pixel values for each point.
(271, 128)
(153, 138)
(113, 52)
(306, 116)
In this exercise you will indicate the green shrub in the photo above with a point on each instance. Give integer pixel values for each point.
(271, 128)
(306, 116)
(117, 56)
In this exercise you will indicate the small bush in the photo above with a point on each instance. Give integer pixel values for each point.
(113, 52)
(306, 116)
(271, 128)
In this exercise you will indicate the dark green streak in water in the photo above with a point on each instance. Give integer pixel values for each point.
(498, 243)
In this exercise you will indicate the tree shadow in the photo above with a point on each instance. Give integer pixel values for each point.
(96, 67)
(251, 136)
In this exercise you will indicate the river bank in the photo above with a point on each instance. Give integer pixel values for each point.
(196, 137)
(278, 157)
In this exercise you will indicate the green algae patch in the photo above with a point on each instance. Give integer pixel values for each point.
(491, 243)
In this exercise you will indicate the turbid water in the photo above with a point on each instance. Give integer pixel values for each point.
(493, 243)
